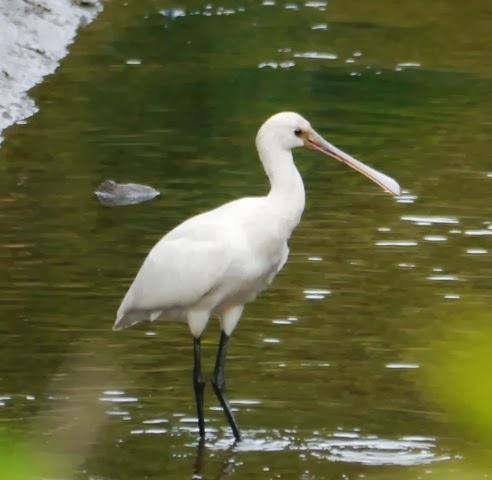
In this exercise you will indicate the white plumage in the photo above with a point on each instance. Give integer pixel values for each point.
(215, 262)
(209, 264)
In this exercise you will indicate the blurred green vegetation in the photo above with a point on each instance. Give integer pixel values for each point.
(456, 380)
(457, 372)
(21, 462)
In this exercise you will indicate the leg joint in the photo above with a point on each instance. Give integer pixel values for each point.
(198, 383)
(218, 383)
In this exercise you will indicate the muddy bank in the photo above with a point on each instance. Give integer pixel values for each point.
(34, 36)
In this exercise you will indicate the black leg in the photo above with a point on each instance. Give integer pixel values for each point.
(198, 385)
(218, 382)
(198, 469)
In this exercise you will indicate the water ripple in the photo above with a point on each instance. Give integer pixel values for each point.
(371, 450)
(396, 243)
(404, 197)
(435, 238)
(409, 65)
(275, 65)
(340, 446)
(452, 296)
(316, 55)
(271, 340)
(477, 251)
(402, 366)
(477, 233)
(119, 399)
(429, 219)
(443, 278)
(316, 293)
(316, 4)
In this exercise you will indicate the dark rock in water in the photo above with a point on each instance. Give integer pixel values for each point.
(85, 3)
(114, 194)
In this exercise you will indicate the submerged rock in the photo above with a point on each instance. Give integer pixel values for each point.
(112, 194)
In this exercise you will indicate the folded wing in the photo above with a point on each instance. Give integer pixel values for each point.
(176, 274)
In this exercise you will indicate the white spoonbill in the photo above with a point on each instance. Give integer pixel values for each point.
(215, 262)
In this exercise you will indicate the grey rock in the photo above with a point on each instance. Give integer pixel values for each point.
(113, 194)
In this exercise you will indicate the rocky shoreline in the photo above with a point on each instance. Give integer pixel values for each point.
(34, 36)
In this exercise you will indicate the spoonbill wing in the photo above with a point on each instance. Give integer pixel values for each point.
(175, 275)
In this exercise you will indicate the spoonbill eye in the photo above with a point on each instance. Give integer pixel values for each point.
(297, 132)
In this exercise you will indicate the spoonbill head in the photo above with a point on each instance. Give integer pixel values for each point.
(290, 130)
(214, 263)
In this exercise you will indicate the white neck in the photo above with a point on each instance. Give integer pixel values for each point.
(287, 189)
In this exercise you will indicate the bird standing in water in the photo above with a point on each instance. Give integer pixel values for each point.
(215, 262)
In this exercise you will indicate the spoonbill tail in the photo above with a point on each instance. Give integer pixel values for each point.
(215, 262)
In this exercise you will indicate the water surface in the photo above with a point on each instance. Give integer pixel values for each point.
(324, 368)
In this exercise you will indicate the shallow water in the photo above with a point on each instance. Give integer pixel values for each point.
(324, 369)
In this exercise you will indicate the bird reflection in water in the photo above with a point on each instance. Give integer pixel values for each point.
(225, 469)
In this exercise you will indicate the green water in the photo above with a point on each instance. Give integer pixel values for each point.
(325, 388)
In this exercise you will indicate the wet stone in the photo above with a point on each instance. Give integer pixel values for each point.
(85, 3)
(113, 194)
